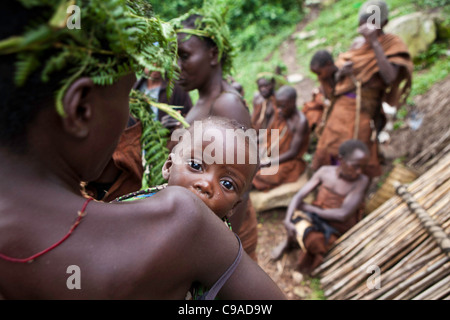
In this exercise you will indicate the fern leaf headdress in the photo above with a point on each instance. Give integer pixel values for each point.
(116, 37)
(211, 25)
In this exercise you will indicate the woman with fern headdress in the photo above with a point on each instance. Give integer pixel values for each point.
(205, 56)
(65, 95)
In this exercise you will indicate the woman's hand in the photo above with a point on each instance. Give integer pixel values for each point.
(370, 33)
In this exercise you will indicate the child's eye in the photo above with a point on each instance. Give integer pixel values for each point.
(194, 165)
(227, 184)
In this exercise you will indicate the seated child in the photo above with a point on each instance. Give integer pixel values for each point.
(218, 178)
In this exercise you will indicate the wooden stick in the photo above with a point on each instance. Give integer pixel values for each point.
(434, 229)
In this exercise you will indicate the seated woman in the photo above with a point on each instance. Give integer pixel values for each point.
(337, 207)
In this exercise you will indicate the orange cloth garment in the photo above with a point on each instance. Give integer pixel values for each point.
(365, 65)
(258, 118)
(313, 110)
(341, 122)
(315, 244)
(288, 171)
(248, 232)
(127, 157)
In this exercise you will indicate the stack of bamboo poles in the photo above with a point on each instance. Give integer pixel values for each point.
(392, 253)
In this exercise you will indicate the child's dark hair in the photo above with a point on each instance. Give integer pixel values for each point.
(321, 58)
(346, 148)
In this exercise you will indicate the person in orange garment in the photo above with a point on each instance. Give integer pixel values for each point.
(292, 143)
(264, 101)
(337, 207)
(381, 71)
(317, 110)
(322, 64)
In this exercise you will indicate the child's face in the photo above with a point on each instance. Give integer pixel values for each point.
(353, 167)
(323, 73)
(219, 185)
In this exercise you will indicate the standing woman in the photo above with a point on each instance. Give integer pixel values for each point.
(205, 59)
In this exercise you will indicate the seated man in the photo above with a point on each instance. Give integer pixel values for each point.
(264, 101)
(292, 142)
(336, 208)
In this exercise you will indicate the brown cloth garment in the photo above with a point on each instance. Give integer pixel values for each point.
(127, 158)
(248, 232)
(288, 171)
(259, 119)
(341, 121)
(314, 242)
(313, 110)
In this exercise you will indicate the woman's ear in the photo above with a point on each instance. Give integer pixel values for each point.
(167, 167)
(77, 104)
(214, 55)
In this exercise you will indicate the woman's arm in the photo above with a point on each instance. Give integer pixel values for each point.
(350, 204)
(388, 71)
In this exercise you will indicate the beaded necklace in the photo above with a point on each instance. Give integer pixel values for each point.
(148, 192)
(30, 259)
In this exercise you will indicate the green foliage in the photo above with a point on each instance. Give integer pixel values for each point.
(317, 292)
(154, 136)
(117, 37)
(153, 140)
(432, 3)
(249, 21)
(212, 25)
(436, 52)
(253, 20)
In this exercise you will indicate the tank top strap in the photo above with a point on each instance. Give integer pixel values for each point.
(212, 293)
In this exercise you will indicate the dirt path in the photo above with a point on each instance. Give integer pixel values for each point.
(405, 142)
(288, 53)
(270, 228)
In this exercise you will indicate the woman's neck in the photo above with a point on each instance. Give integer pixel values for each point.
(212, 88)
(19, 170)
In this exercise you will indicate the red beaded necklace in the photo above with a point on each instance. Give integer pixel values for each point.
(30, 259)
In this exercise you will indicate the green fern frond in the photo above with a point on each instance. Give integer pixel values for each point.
(122, 32)
(25, 65)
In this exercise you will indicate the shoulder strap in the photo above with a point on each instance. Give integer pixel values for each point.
(212, 293)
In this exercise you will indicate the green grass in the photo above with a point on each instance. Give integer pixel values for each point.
(337, 26)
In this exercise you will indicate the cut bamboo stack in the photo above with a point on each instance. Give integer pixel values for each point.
(398, 251)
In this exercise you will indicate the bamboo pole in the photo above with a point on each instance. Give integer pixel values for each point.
(439, 289)
(434, 229)
(399, 243)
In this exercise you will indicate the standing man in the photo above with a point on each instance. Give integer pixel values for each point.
(380, 63)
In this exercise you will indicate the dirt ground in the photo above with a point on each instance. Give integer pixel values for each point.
(404, 143)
